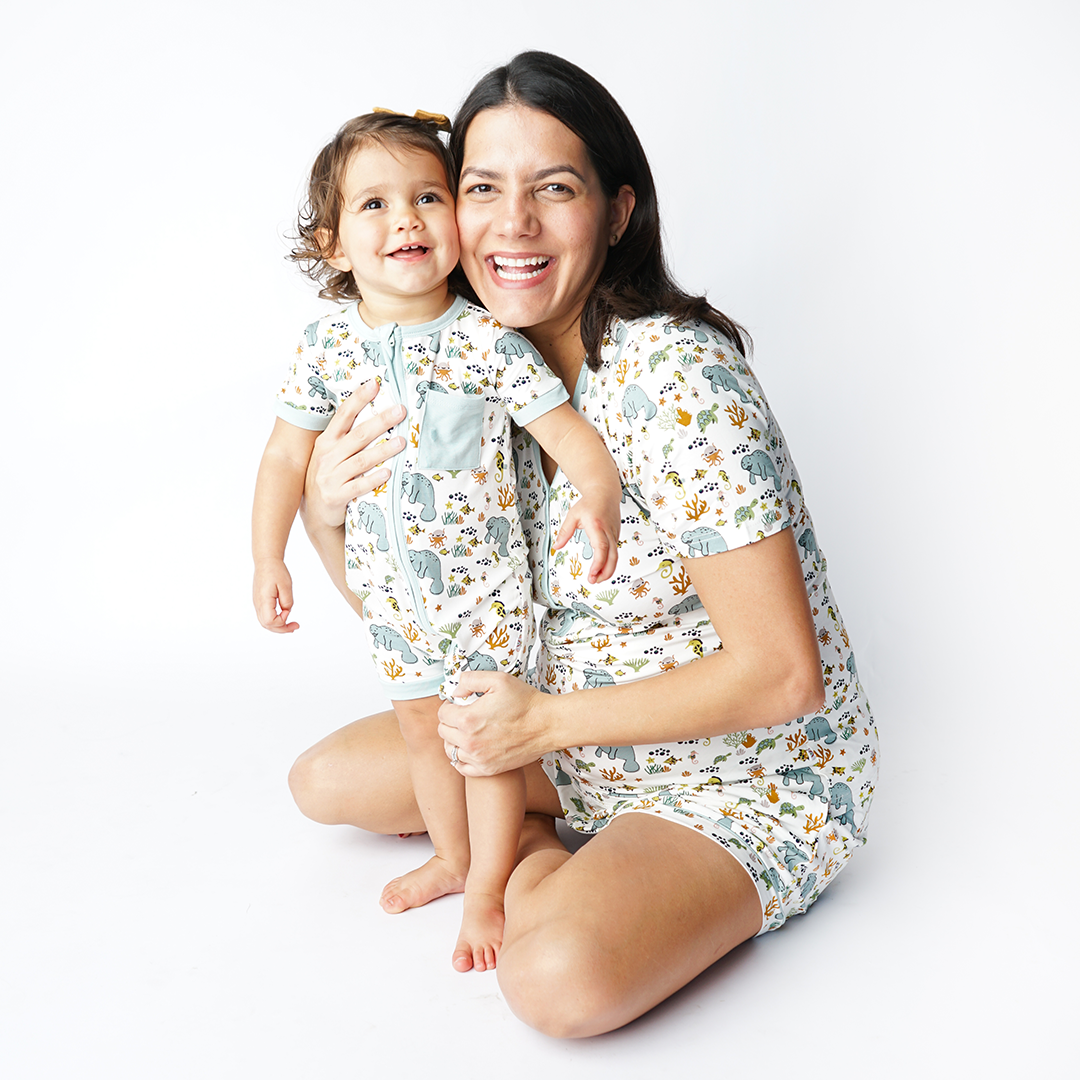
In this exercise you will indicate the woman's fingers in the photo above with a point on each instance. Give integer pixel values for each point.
(347, 459)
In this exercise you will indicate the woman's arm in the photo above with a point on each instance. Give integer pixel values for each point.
(768, 672)
(346, 462)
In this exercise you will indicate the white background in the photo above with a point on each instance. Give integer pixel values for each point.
(885, 195)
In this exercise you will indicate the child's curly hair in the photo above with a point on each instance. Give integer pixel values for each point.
(317, 225)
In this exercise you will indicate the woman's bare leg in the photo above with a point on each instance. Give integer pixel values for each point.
(594, 940)
(359, 775)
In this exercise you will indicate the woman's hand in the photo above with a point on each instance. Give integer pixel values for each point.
(346, 462)
(503, 730)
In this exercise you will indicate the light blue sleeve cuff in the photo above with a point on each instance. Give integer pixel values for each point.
(301, 418)
(543, 404)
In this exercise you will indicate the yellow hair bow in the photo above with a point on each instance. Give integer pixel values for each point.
(442, 123)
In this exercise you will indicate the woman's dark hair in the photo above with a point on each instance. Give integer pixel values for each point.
(635, 281)
(320, 216)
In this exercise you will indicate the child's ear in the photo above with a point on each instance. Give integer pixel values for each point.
(331, 251)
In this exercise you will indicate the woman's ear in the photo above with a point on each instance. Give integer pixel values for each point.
(622, 206)
(331, 251)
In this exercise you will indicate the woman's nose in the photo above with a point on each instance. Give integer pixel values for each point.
(518, 217)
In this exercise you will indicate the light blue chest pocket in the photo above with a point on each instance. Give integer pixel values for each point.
(450, 431)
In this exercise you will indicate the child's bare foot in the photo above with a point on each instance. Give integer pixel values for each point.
(481, 934)
(428, 882)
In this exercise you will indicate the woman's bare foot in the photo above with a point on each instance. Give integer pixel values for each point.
(428, 882)
(481, 933)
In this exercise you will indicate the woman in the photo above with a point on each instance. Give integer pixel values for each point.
(724, 793)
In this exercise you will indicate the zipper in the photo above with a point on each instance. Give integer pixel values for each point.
(390, 342)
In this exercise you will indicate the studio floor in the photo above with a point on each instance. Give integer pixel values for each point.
(169, 913)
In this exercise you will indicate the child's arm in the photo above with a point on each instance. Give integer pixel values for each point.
(278, 489)
(573, 442)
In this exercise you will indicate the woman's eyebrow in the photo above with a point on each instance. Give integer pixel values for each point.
(540, 174)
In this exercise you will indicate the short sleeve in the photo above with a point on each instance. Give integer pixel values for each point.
(305, 399)
(704, 455)
(527, 387)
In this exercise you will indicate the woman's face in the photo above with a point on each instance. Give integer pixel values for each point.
(535, 224)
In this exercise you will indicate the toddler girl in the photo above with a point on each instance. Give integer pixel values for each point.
(436, 554)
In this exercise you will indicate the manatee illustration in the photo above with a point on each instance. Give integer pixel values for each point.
(791, 855)
(386, 637)
(311, 333)
(807, 542)
(819, 728)
(561, 779)
(580, 537)
(684, 607)
(426, 564)
(721, 378)
(773, 879)
(808, 886)
(704, 540)
(425, 388)
(372, 352)
(626, 753)
(594, 677)
(371, 520)
(850, 665)
(498, 532)
(635, 400)
(760, 464)
(320, 389)
(478, 661)
(511, 345)
(840, 799)
(419, 490)
(562, 620)
(806, 775)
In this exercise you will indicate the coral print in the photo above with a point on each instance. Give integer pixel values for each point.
(705, 469)
(437, 554)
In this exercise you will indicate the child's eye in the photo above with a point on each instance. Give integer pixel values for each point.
(427, 199)
(373, 204)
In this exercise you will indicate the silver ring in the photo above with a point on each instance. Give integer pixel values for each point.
(453, 757)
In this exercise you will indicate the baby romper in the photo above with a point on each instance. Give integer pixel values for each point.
(705, 468)
(437, 553)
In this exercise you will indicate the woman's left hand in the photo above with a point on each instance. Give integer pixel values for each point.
(503, 730)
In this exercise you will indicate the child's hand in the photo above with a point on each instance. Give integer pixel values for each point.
(600, 518)
(273, 589)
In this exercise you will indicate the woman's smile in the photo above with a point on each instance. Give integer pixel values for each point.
(533, 219)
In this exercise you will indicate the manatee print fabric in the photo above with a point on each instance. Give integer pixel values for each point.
(705, 469)
(437, 554)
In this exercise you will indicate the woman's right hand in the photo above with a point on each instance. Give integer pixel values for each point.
(346, 461)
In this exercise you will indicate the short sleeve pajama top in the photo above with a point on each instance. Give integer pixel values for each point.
(705, 469)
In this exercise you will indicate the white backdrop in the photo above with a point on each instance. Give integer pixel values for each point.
(885, 195)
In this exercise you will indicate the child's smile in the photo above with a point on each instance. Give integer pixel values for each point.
(397, 234)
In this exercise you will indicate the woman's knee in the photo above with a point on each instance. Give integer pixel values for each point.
(558, 981)
(313, 784)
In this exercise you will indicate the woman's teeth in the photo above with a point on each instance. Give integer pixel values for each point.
(520, 269)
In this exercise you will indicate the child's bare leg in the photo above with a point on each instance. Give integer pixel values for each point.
(440, 794)
(496, 810)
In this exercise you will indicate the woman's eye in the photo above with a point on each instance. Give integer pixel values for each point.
(558, 189)
(479, 189)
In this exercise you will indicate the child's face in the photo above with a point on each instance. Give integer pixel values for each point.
(397, 234)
